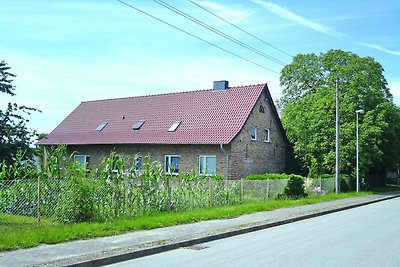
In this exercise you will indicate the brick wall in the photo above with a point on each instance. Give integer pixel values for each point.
(245, 155)
(189, 154)
(257, 157)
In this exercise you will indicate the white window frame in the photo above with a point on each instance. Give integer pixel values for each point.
(86, 159)
(174, 126)
(267, 137)
(203, 158)
(167, 163)
(253, 129)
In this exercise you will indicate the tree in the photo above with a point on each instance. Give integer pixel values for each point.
(308, 111)
(14, 133)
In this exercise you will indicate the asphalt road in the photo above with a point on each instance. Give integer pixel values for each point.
(364, 236)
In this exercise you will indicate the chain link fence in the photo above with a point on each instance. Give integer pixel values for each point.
(319, 186)
(262, 189)
(74, 200)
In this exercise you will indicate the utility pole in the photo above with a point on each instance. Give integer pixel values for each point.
(337, 180)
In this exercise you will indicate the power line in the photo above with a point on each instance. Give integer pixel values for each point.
(194, 36)
(240, 29)
(210, 28)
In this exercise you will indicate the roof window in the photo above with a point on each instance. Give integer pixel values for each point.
(138, 124)
(174, 126)
(101, 126)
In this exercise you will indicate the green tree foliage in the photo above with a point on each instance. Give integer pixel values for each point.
(14, 133)
(308, 111)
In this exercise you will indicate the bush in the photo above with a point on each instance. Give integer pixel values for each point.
(344, 187)
(295, 187)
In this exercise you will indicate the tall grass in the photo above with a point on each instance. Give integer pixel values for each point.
(116, 189)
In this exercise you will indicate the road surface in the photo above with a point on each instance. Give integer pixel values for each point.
(364, 236)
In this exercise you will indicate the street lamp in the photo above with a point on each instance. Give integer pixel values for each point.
(360, 111)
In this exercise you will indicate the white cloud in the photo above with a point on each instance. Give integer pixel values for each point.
(233, 15)
(380, 48)
(289, 15)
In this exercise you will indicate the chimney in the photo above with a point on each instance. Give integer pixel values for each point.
(220, 85)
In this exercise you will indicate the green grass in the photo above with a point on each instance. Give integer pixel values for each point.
(23, 232)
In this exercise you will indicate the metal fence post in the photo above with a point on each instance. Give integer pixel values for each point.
(241, 190)
(38, 200)
(320, 183)
(267, 189)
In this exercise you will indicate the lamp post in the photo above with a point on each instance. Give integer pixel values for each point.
(360, 111)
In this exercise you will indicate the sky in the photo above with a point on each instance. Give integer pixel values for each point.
(68, 51)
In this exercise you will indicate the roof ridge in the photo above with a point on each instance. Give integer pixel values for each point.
(170, 93)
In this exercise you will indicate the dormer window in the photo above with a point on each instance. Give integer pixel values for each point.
(136, 126)
(101, 126)
(174, 126)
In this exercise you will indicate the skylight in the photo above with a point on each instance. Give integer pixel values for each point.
(101, 126)
(174, 126)
(138, 124)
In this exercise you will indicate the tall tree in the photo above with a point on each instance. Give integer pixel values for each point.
(308, 111)
(14, 133)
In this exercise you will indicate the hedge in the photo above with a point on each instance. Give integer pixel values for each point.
(266, 176)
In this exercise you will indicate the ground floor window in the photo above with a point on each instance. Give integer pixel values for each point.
(138, 163)
(171, 164)
(207, 165)
(82, 160)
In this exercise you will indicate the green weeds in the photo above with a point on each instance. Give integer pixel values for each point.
(26, 233)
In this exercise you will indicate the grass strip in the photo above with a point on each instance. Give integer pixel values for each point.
(23, 232)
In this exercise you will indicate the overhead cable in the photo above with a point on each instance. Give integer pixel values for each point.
(197, 37)
(210, 28)
(241, 29)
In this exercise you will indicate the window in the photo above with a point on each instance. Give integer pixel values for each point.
(267, 136)
(254, 133)
(138, 163)
(138, 124)
(83, 160)
(171, 164)
(101, 126)
(174, 126)
(207, 165)
(262, 110)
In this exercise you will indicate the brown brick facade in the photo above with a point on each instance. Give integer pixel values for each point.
(189, 154)
(256, 157)
(245, 156)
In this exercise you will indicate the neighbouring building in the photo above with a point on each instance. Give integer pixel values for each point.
(230, 131)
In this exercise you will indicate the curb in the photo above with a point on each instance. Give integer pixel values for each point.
(130, 255)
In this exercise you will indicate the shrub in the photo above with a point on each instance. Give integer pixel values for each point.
(344, 187)
(295, 187)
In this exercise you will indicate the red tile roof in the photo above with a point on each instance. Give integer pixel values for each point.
(207, 117)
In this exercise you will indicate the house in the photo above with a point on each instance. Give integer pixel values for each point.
(231, 131)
